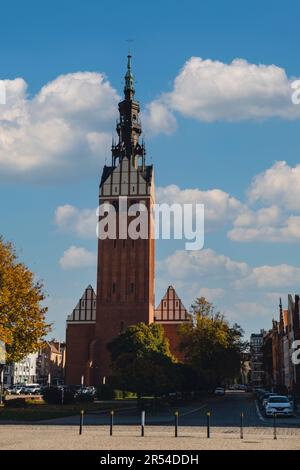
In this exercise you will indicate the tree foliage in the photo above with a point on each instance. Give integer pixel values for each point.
(211, 346)
(22, 318)
(141, 360)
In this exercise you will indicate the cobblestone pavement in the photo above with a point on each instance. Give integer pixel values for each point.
(32, 437)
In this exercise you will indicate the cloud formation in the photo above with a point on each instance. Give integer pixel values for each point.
(278, 185)
(61, 132)
(80, 222)
(211, 90)
(77, 257)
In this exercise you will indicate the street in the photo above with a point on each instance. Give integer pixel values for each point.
(225, 412)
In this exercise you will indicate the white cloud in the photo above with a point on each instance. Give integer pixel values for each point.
(278, 276)
(210, 90)
(247, 295)
(211, 294)
(207, 265)
(77, 257)
(62, 132)
(280, 222)
(81, 222)
(200, 264)
(253, 310)
(289, 231)
(157, 118)
(278, 185)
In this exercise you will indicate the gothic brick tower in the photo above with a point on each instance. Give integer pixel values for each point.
(125, 276)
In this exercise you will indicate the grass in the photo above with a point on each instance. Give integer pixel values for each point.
(42, 411)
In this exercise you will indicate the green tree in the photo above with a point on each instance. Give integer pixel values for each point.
(22, 318)
(142, 361)
(211, 346)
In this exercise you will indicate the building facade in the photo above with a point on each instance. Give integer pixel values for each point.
(22, 372)
(281, 373)
(171, 313)
(126, 264)
(50, 365)
(257, 362)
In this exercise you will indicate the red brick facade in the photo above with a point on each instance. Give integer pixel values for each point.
(126, 267)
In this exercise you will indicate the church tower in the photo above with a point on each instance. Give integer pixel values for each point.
(125, 272)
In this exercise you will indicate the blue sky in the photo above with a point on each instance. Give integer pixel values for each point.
(40, 41)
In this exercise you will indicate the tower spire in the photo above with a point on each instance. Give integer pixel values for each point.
(129, 126)
(129, 80)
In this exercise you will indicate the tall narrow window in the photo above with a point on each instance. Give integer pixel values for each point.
(114, 288)
(132, 287)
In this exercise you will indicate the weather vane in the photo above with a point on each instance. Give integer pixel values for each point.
(129, 41)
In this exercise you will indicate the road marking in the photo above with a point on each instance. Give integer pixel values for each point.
(194, 410)
(258, 412)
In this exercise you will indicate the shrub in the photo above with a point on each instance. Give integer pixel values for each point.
(105, 392)
(16, 403)
(53, 396)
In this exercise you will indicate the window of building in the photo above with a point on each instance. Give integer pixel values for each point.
(114, 288)
(82, 303)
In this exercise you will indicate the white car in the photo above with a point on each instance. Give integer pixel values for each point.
(32, 389)
(219, 391)
(279, 405)
(18, 390)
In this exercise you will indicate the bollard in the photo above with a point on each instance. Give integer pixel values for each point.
(143, 424)
(275, 426)
(81, 422)
(242, 426)
(111, 422)
(208, 424)
(176, 423)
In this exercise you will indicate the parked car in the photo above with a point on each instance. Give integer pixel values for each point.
(279, 405)
(18, 389)
(32, 389)
(219, 391)
(266, 396)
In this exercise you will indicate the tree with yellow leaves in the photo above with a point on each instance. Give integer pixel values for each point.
(22, 316)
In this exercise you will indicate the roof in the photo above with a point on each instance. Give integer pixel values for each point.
(108, 170)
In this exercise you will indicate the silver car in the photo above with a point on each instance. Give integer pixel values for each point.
(279, 405)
